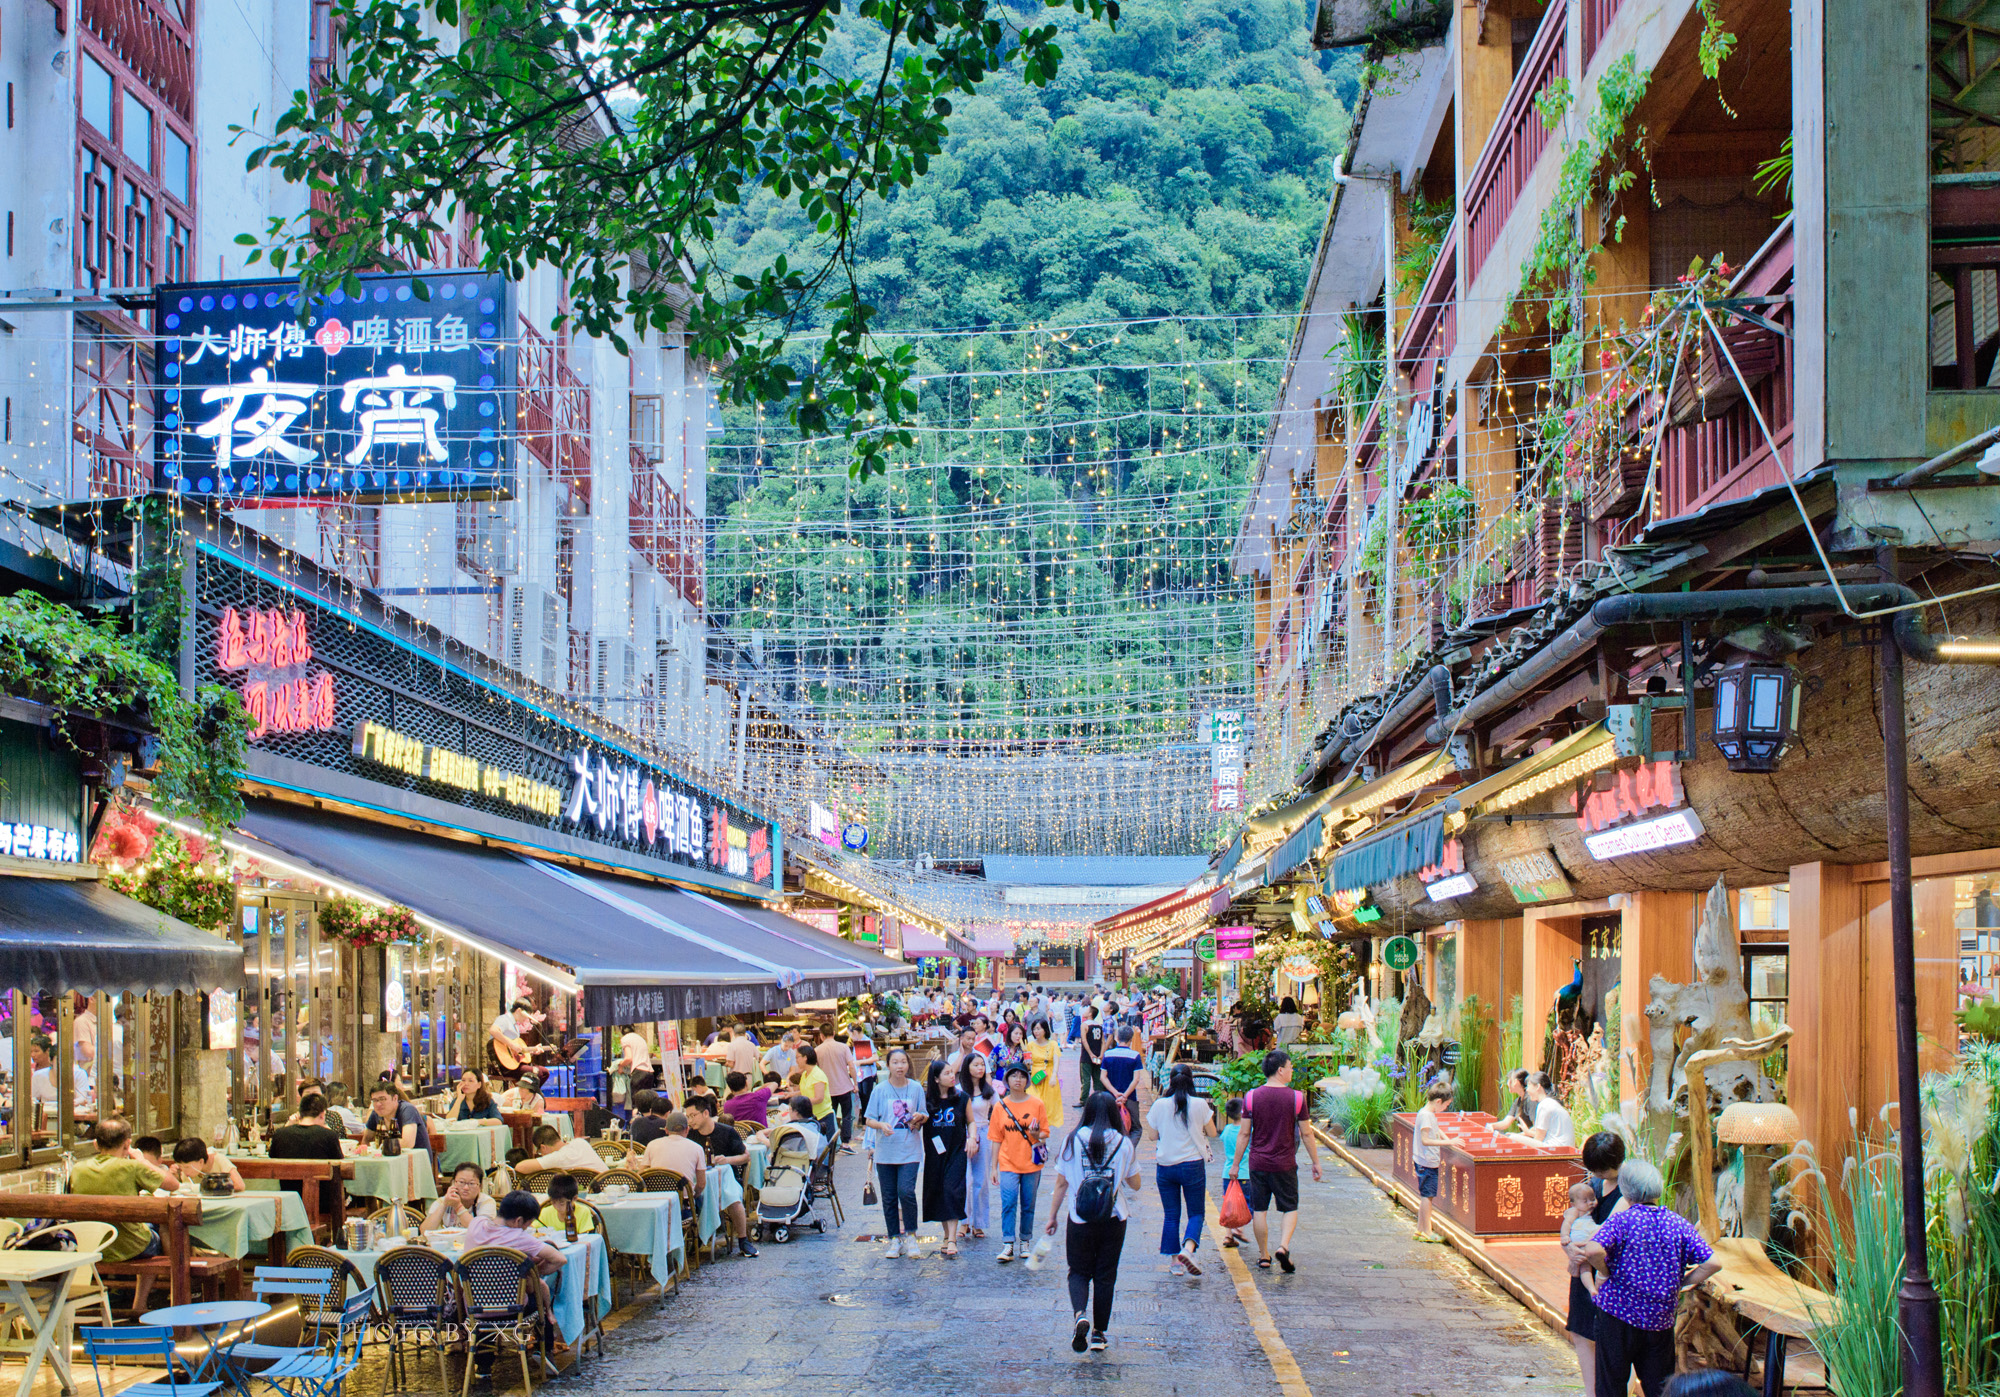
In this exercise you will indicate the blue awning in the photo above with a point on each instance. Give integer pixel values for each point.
(1403, 848)
(1294, 851)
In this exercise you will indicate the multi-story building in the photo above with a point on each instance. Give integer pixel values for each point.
(1522, 434)
(123, 169)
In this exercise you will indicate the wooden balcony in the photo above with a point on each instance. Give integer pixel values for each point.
(1518, 139)
(1714, 448)
(1433, 329)
(1597, 17)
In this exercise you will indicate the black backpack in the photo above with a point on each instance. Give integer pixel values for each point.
(1097, 1192)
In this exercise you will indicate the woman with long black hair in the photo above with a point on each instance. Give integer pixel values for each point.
(1098, 1165)
(976, 1081)
(944, 1153)
(1183, 1123)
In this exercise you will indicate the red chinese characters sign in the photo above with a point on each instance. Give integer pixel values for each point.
(272, 651)
(1649, 786)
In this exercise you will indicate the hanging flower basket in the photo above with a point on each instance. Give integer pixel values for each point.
(350, 920)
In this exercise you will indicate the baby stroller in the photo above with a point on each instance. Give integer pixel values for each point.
(786, 1204)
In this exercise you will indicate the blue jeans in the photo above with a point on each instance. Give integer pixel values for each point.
(898, 1183)
(1178, 1182)
(978, 1193)
(1017, 1205)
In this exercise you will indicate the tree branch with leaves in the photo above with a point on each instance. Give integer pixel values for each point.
(607, 138)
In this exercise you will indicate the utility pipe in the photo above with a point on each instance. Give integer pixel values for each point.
(1964, 451)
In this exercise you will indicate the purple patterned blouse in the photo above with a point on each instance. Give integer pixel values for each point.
(1649, 1249)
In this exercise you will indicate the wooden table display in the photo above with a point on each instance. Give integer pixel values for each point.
(1490, 1184)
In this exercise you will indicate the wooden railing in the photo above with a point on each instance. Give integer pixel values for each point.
(1717, 451)
(1433, 327)
(1519, 137)
(1597, 17)
(663, 530)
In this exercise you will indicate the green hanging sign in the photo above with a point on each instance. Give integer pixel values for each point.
(1399, 953)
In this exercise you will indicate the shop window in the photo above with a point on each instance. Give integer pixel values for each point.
(1764, 909)
(135, 181)
(174, 164)
(1766, 974)
(136, 136)
(1976, 914)
(13, 1071)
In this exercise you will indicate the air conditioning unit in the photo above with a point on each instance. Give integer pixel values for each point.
(530, 622)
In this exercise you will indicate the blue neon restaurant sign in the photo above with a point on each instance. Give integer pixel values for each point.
(405, 392)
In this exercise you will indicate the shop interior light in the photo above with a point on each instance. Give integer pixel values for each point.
(1562, 774)
(1756, 712)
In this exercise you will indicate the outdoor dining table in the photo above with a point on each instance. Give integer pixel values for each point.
(21, 1272)
(484, 1143)
(263, 1172)
(404, 1178)
(212, 1320)
(234, 1224)
(648, 1225)
(586, 1276)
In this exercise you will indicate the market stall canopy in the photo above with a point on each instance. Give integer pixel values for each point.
(638, 951)
(918, 942)
(77, 934)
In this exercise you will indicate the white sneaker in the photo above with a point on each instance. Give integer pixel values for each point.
(1006, 1254)
(895, 1249)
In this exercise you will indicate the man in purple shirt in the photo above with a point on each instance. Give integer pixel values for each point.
(1645, 1253)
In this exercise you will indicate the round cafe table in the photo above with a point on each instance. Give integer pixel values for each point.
(212, 1320)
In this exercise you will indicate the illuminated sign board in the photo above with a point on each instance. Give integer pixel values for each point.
(404, 392)
(435, 735)
(1457, 885)
(1634, 791)
(1679, 827)
(25, 841)
(272, 651)
(822, 824)
(1235, 942)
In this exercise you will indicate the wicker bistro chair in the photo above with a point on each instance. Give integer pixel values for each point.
(502, 1305)
(586, 1179)
(419, 1299)
(325, 1309)
(610, 1151)
(628, 1177)
(667, 1181)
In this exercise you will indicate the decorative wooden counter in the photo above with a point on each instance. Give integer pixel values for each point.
(1491, 1185)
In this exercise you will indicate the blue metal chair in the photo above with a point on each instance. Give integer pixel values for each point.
(310, 1373)
(152, 1345)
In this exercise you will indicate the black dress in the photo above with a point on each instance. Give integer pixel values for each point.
(944, 1158)
(1583, 1309)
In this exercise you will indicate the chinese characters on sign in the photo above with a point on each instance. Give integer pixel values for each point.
(271, 649)
(40, 842)
(1649, 786)
(622, 800)
(385, 396)
(414, 757)
(1222, 730)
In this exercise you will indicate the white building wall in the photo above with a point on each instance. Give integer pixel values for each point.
(250, 57)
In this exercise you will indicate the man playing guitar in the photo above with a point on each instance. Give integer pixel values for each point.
(513, 1043)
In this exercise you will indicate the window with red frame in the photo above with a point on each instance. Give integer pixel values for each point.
(135, 178)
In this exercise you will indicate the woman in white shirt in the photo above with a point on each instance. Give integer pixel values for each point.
(1098, 1167)
(1183, 1123)
(1289, 1023)
(1553, 1123)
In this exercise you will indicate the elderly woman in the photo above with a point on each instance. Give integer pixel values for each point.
(1648, 1256)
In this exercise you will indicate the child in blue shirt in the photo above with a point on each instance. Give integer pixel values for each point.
(1233, 1114)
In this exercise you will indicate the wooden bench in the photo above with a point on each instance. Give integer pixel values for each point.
(172, 1216)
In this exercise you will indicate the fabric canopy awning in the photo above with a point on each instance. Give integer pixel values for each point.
(79, 935)
(918, 942)
(1403, 848)
(638, 951)
(1294, 851)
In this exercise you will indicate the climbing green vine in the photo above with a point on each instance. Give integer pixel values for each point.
(51, 653)
(1435, 525)
(1717, 43)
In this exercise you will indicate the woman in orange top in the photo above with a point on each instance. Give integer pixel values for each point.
(1018, 1125)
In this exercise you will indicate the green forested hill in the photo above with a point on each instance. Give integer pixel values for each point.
(1099, 278)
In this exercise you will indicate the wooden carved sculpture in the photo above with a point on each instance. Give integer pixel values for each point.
(1697, 1066)
(1715, 1008)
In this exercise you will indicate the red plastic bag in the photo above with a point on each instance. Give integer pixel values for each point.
(1235, 1207)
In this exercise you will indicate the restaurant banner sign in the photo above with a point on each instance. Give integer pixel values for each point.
(404, 392)
(347, 709)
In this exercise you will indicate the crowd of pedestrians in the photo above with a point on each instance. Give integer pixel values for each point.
(966, 1148)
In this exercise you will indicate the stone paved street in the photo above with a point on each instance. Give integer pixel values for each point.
(1370, 1311)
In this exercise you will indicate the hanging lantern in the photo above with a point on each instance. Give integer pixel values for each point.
(1756, 712)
